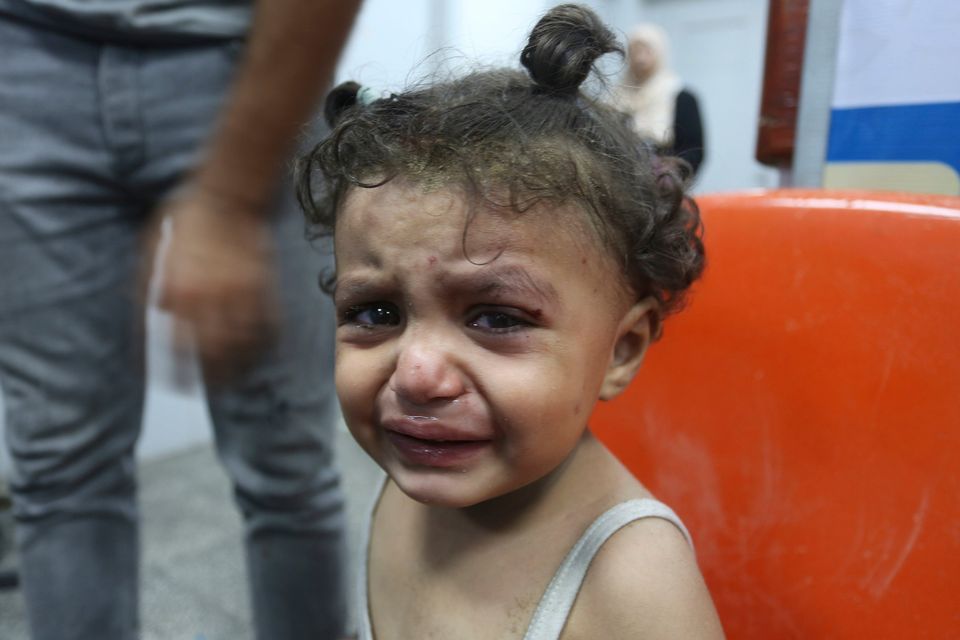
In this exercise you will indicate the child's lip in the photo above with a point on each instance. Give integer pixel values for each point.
(432, 429)
(439, 454)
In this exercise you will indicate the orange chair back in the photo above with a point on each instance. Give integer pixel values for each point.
(802, 415)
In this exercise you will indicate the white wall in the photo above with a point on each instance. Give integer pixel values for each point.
(718, 48)
(396, 43)
(388, 41)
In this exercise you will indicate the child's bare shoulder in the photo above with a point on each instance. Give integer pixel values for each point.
(644, 583)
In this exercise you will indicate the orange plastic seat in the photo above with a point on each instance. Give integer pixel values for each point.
(802, 415)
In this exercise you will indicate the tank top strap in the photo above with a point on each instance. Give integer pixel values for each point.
(364, 626)
(557, 601)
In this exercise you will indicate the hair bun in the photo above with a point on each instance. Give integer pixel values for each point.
(341, 97)
(564, 45)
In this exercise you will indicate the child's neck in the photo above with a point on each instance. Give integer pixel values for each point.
(585, 479)
(541, 520)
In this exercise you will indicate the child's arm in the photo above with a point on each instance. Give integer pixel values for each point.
(645, 583)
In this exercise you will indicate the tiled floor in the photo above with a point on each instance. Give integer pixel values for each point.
(193, 574)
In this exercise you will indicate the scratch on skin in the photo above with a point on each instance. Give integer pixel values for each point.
(880, 586)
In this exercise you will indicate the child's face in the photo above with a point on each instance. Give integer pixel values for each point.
(468, 377)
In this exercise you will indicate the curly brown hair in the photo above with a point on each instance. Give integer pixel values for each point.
(516, 139)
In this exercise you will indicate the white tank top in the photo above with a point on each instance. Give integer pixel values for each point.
(554, 607)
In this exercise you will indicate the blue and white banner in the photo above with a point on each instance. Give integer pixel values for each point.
(895, 118)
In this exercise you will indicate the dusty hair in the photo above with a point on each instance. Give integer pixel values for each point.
(518, 139)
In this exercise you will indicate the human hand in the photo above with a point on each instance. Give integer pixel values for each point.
(217, 280)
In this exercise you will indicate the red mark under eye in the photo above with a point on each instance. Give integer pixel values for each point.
(432, 260)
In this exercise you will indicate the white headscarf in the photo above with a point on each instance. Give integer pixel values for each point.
(651, 103)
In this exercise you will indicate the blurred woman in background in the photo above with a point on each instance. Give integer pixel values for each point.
(661, 108)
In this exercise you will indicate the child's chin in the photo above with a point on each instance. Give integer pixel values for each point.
(450, 490)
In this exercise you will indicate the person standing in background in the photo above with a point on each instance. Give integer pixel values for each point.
(652, 94)
(114, 115)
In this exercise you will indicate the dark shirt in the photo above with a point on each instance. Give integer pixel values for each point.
(688, 130)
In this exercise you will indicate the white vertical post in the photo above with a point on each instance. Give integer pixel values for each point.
(816, 92)
(438, 31)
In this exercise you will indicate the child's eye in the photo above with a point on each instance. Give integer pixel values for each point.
(373, 314)
(496, 321)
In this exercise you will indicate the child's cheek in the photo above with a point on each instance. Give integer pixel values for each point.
(351, 386)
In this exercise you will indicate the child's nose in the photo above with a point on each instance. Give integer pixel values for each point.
(425, 373)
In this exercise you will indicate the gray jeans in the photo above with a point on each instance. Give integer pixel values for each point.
(92, 137)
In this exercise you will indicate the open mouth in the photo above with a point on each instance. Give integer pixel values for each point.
(435, 452)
